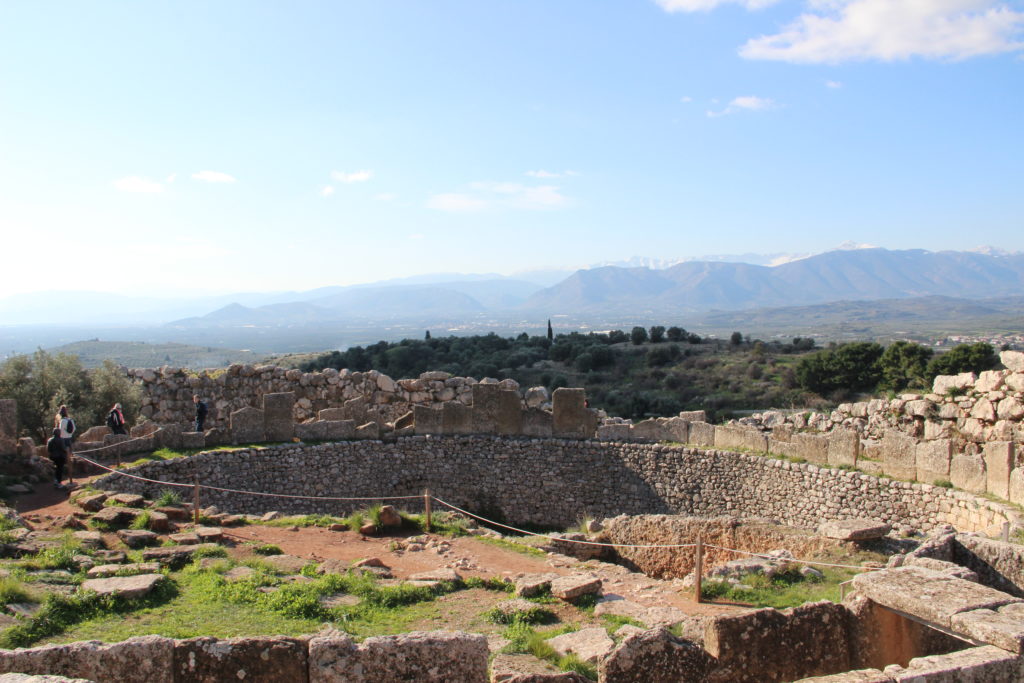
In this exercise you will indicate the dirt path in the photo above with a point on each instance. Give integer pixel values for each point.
(469, 555)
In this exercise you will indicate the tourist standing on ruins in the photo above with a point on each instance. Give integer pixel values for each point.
(67, 428)
(200, 412)
(115, 419)
(59, 455)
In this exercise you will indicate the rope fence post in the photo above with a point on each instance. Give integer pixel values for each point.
(71, 468)
(195, 501)
(426, 508)
(698, 568)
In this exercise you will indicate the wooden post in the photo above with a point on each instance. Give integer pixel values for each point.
(426, 508)
(698, 568)
(71, 467)
(1005, 532)
(195, 501)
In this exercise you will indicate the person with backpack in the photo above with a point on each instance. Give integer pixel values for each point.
(201, 411)
(115, 419)
(59, 455)
(66, 426)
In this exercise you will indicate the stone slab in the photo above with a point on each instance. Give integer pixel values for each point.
(124, 586)
(254, 658)
(589, 644)
(999, 461)
(571, 419)
(932, 460)
(928, 595)
(854, 529)
(278, 416)
(1003, 627)
(575, 585)
(428, 420)
(899, 456)
(246, 425)
(844, 447)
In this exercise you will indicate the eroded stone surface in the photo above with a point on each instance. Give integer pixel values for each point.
(589, 644)
(1003, 628)
(269, 658)
(854, 529)
(124, 586)
(425, 657)
(571, 587)
(655, 657)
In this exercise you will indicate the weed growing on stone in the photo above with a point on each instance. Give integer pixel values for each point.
(525, 640)
(787, 589)
(613, 622)
(56, 557)
(209, 551)
(944, 483)
(168, 497)
(13, 590)
(7, 525)
(267, 549)
(492, 583)
(532, 615)
(511, 545)
(141, 521)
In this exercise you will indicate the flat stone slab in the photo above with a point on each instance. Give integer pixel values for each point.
(130, 500)
(1003, 628)
(124, 586)
(571, 587)
(617, 605)
(286, 563)
(137, 538)
(89, 539)
(185, 538)
(91, 503)
(589, 644)
(529, 585)
(117, 516)
(174, 556)
(854, 529)
(928, 595)
(106, 570)
(42, 678)
(238, 574)
(442, 574)
(209, 534)
(521, 668)
(510, 608)
(339, 600)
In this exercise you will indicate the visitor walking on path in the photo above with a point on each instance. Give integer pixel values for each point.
(66, 425)
(115, 419)
(59, 455)
(201, 411)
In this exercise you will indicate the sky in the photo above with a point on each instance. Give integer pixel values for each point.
(158, 147)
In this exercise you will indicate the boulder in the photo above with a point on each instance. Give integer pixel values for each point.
(124, 586)
(854, 529)
(656, 657)
(589, 644)
(136, 538)
(573, 586)
(1012, 360)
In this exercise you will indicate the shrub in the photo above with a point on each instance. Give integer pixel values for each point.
(267, 549)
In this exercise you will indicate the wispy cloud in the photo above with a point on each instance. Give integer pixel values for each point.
(686, 99)
(708, 5)
(353, 177)
(385, 197)
(833, 84)
(887, 30)
(744, 103)
(134, 183)
(541, 173)
(172, 177)
(326, 191)
(487, 195)
(213, 177)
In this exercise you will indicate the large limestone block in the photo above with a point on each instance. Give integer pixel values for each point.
(677, 429)
(338, 430)
(927, 594)
(986, 664)
(899, 455)
(989, 380)
(932, 460)
(425, 657)
(656, 657)
(246, 425)
(427, 420)
(1016, 493)
(571, 418)
(843, 447)
(537, 422)
(999, 461)
(1012, 360)
(145, 659)
(254, 658)
(311, 431)
(496, 410)
(124, 586)
(967, 472)
(943, 384)
(858, 676)
(1010, 408)
(456, 418)
(1003, 628)
(331, 414)
(854, 529)
(740, 438)
(652, 430)
(614, 432)
(278, 416)
(1015, 381)
(589, 644)
(702, 434)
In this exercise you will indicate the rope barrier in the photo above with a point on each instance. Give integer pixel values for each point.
(118, 444)
(482, 519)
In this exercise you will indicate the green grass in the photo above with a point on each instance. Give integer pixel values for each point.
(532, 615)
(267, 549)
(169, 497)
(7, 525)
(788, 589)
(511, 545)
(13, 590)
(56, 557)
(613, 622)
(524, 639)
(142, 521)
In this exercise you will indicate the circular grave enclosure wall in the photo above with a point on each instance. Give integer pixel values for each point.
(554, 483)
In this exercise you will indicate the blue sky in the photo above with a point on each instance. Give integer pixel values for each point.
(162, 146)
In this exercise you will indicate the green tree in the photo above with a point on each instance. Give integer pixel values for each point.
(675, 334)
(904, 364)
(736, 338)
(850, 367)
(638, 336)
(657, 334)
(964, 358)
(551, 333)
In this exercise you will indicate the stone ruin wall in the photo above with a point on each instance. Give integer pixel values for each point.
(553, 482)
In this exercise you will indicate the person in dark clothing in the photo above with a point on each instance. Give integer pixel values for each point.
(201, 411)
(58, 453)
(115, 419)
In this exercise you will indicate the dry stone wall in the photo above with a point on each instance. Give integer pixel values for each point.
(555, 481)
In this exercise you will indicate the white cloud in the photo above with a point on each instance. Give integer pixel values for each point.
(171, 178)
(456, 203)
(888, 30)
(213, 177)
(686, 99)
(354, 177)
(707, 5)
(744, 103)
(541, 173)
(417, 236)
(385, 197)
(327, 191)
(136, 184)
(833, 84)
(495, 195)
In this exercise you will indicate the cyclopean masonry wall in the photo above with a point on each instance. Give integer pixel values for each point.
(555, 481)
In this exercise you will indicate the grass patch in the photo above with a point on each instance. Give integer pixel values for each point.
(511, 545)
(12, 590)
(524, 639)
(209, 551)
(56, 557)
(786, 589)
(7, 525)
(267, 549)
(60, 612)
(532, 615)
(169, 497)
(305, 521)
(613, 622)
(141, 521)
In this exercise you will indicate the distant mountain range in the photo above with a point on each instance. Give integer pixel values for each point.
(856, 273)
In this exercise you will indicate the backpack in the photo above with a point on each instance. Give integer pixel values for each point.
(110, 420)
(70, 427)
